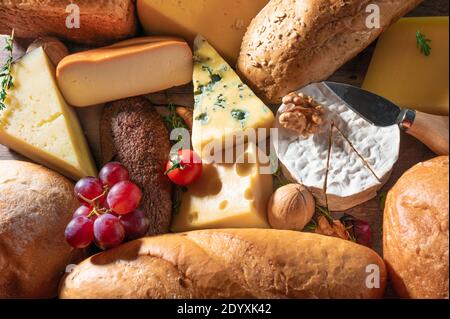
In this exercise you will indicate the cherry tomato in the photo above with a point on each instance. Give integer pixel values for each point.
(184, 168)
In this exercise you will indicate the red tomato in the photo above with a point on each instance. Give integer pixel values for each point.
(184, 168)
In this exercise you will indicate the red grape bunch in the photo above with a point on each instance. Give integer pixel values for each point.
(109, 212)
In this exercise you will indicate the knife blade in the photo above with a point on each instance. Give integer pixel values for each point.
(432, 130)
(375, 109)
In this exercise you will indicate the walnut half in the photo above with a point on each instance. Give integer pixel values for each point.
(302, 115)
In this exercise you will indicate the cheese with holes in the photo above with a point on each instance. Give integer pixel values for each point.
(233, 195)
(222, 22)
(39, 124)
(129, 68)
(224, 106)
(342, 166)
(402, 74)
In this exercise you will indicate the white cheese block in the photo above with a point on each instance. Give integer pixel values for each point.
(306, 159)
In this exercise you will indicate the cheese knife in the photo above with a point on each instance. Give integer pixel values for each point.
(432, 130)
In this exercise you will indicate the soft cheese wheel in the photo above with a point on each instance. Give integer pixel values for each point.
(305, 159)
(130, 68)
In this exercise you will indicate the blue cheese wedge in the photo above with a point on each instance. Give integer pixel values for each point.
(224, 106)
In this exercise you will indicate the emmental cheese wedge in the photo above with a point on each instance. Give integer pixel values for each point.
(346, 161)
(224, 106)
(39, 124)
(402, 74)
(222, 22)
(228, 195)
(129, 68)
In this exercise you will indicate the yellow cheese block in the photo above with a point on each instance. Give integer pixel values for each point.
(222, 22)
(402, 74)
(224, 106)
(228, 195)
(129, 68)
(39, 124)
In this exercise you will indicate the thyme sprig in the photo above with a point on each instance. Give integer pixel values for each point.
(423, 43)
(5, 71)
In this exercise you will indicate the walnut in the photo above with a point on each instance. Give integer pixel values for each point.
(337, 229)
(302, 114)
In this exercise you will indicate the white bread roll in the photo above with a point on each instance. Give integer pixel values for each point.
(415, 226)
(35, 206)
(228, 263)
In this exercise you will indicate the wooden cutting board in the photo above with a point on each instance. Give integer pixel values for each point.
(411, 150)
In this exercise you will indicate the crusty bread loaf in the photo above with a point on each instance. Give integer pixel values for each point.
(292, 43)
(133, 133)
(35, 206)
(228, 263)
(415, 231)
(101, 21)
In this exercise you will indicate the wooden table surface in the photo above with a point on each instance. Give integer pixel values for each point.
(411, 151)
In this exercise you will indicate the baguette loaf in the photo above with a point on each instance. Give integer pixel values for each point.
(292, 43)
(101, 21)
(415, 231)
(228, 263)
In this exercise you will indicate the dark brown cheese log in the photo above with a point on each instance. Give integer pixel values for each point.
(133, 133)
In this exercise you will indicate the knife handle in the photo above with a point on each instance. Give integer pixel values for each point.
(432, 130)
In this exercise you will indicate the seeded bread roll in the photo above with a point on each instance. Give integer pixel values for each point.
(100, 21)
(230, 263)
(133, 133)
(415, 231)
(292, 43)
(36, 204)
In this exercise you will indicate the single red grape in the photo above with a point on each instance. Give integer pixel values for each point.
(89, 188)
(112, 173)
(108, 231)
(80, 232)
(135, 223)
(82, 211)
(124, 197)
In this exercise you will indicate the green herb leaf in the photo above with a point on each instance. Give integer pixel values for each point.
(311, 226)
(325, 212)
(382, 200)
(423, 43)
(6, 77)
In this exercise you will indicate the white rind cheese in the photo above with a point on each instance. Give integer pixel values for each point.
(355, 176)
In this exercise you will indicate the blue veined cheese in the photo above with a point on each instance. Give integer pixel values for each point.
(224, 105)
